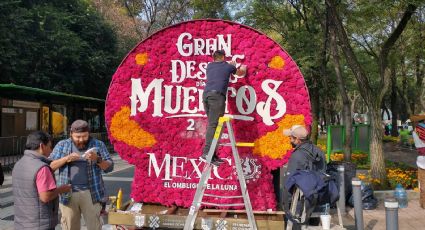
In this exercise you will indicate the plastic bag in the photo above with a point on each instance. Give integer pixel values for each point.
(368, 200)
(1, 175)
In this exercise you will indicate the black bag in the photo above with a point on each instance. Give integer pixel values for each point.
(368, 200)
(1, 175)
(329, 194)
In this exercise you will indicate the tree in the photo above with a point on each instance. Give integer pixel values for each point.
(210, 9)
(56, 45)
(125, 27)
(301, 28)
(152, 15)
(346, 109)
(372, 96)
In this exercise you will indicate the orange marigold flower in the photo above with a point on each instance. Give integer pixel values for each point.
(129, 131)
(142, 58)
(274, 144)
(277, 62)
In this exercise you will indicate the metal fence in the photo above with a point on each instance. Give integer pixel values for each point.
(12, 148)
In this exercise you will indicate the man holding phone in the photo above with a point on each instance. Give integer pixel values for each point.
(81, 160)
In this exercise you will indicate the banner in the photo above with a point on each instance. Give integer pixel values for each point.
(156, 118)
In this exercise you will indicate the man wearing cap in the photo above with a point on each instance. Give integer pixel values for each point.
(81, 160)
(306, 156)
(214, 96)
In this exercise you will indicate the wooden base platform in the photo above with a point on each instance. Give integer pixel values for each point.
(157, 216)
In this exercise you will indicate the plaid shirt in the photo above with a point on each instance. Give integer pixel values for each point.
(95, 180)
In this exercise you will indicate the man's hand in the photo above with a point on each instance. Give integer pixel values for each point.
(72, 157)
(92, 155)
(241, 71)
(64, 188)
(52, 194)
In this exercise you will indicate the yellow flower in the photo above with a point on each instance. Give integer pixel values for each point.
(277, 62)
(128, 131)
(142, 58)
(274, 144)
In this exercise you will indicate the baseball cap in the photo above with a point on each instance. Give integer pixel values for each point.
(298, 131)
(79, 126)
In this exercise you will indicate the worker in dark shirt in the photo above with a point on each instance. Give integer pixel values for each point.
(214, 97)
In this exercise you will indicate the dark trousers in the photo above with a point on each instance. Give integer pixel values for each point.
(214, 104)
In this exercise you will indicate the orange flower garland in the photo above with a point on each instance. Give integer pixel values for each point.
(277, 62)
(128, 131)
(142, 58)
(274, 144)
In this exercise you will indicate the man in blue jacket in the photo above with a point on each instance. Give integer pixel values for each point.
(306, 156)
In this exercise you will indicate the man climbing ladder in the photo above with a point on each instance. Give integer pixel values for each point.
(214, 96)
(203, 182)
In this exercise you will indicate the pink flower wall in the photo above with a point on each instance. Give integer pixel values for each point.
(156, 120)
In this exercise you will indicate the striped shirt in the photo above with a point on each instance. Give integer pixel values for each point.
(94, 172)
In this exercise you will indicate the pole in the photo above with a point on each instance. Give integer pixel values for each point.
(329, 144)
(391, 214)
(358, 206)
(341, 201)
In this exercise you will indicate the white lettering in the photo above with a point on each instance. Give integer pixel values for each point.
(184, 47)
(250, 102)
(264, 108)
(181, 166)
(139, 95)
(169, 98)
(165, 163)
(200, 46)
(187, 98)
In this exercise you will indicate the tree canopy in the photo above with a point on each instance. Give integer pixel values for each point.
(61, 45)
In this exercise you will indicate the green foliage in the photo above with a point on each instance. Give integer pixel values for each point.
(210, 9)
(57, 45)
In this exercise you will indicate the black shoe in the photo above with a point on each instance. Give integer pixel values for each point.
(217, 159)
(214, 161)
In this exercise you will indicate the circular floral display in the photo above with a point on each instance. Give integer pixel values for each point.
(156, 118)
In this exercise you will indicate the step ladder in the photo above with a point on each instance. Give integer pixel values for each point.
(203, 182)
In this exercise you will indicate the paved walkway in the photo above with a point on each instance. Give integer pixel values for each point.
(412, 217)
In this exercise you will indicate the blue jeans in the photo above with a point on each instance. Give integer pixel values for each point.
(214, 104)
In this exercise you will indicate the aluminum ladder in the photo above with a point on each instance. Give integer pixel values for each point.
(203, 182)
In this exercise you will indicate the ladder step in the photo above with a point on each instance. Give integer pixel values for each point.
(239, 144)
(223, 205)
(224, 197)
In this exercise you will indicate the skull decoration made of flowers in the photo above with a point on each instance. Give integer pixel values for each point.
(156, 118)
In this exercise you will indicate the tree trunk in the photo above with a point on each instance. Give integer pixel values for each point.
(315, 107)
(377, 163)
(407, 109)
(346, 105)
(419, 87)
(394, 107)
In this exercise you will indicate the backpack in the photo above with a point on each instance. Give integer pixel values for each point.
(328, 194)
